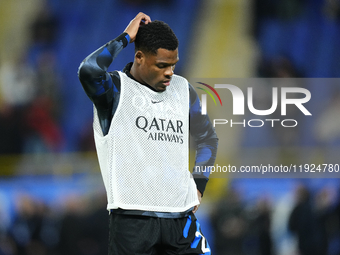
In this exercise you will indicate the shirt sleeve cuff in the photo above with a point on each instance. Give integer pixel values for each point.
(201, 183)
(125, 38)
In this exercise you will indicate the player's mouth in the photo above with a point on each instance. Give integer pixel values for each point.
(166, 82)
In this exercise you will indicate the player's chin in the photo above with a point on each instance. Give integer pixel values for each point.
(161, 88)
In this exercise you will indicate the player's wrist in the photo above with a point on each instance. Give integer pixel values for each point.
(201, 183)
(124, 38)
(127, 37)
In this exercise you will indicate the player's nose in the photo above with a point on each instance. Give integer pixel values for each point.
(168, 72)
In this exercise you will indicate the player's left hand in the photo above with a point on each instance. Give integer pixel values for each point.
(199, 195)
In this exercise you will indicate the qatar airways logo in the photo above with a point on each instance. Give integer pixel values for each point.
(239, 99)
(159, 129)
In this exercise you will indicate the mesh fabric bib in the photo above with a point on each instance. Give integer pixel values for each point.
(144, 157)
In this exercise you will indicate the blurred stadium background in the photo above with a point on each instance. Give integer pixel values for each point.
(52, 197)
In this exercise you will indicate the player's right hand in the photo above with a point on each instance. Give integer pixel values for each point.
(132, 29)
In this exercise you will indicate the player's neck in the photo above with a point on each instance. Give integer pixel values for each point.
(135, 74)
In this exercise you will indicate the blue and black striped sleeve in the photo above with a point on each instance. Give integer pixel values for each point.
(204, 135)
(99, 85)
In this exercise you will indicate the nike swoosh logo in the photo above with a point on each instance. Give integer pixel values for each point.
(155, 102)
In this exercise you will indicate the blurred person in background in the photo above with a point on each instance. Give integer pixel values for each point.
(301, 221)
(30, 108)
(44, 30)
(308, 221)
(230, 225)
(17, 91)
(259, 237)
(240, 228)
(84, 226)
(72, 226)
(324, 220)
(18, 82)
(26, 228)
(12, 130)
(44, 113)
(152, 195)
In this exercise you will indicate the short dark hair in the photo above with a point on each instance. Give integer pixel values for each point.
(156, 34)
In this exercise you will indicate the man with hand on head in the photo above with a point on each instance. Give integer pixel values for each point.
(141, 130)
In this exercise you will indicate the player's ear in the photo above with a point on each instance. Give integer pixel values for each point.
(139, 57)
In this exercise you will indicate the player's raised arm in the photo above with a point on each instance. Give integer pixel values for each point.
(99, 85)
(93, 70)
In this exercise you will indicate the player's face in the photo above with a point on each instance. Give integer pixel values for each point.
(157, 70)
